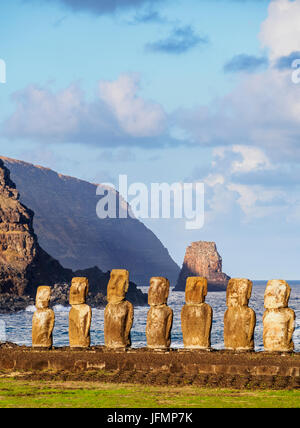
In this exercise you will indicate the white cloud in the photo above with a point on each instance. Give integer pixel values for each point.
(46, 114)
(280, 31)
(117, 116)
(262, 111)
(256, 201)
(231, 190)
(214, 179)
(253, 159)
(136, 116)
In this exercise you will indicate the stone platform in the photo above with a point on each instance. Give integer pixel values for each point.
(176, 367)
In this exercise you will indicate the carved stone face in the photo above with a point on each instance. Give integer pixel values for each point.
(79, 290)
(158, 291)
(196, 290)
(238, 292)
(277, 294)
(43, 297)
(118, 285)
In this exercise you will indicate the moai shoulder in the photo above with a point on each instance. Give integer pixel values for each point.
(239, 319)
(196, 315)
(119, 313)
(80, 316)
(160, 316)
(278, 319)
(43, 319)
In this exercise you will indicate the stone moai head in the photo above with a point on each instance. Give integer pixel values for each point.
(79, 290)
(277, 294)
(158, 291)
(43, 295)
(238, 292)
(118, 285)
(196, 290)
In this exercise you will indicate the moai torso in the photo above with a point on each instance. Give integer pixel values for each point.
(239, 319)
(118, 314)
(43, 320)
(196, 315)
(160, 316)
(80, 316)
(278, 319)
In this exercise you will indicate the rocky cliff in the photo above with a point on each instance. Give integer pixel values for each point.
(24, 265)
(68, 228)
(202, 259)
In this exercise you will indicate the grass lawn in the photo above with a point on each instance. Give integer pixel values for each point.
(21, 393)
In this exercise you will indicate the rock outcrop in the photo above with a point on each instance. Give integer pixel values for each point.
(68, 228)
(24, 265)
(203, 260)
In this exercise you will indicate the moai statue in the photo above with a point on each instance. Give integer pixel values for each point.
(239, 319)
(196, 315)
(43, 320)
(118, 314)
(160, 316)
(80, 316)
(278, 319)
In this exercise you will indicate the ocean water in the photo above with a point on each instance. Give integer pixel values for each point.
(16, 328)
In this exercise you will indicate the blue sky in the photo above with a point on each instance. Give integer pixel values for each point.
(167, 91)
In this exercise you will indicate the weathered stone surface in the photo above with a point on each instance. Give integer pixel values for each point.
(160, 316)
(278, 319)
(118, 285)
(203, 260)
(68, 228)
(196, 315)
(43, 320)
(239, 319)
(143, 366)
(80, 316)
(118, 314)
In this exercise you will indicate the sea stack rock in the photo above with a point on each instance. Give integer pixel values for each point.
(278, 319)
(80, 316)
(239, 319)
(203, 260)
(23, 263)
(118, 314)
(160, 315)
(43, 320)
(196, 315)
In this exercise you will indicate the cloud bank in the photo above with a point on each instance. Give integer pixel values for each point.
(117, 116)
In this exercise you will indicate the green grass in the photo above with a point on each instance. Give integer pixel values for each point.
(35, 394)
